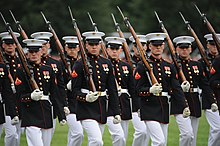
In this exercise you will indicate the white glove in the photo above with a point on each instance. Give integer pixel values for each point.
(214, 107)
(66, 110)
(63, 122)
(186, 112)
(15, 120)
(156, 89)
(185, 86)
(92, 96)
(69, 85)
(36, 95)
(117, 119)
(13, 88)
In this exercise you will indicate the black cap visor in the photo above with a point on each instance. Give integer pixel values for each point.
(114, 46)
(157, 42)
(184, 45)
(8, 41)
(72, 45)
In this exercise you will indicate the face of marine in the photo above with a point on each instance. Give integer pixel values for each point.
(93, 48)
(9, 48)
(157, 50)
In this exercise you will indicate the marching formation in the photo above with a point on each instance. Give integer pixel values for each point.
(93, 86)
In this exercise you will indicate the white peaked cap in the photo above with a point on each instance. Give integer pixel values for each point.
(208, 37)
(70, 39)
(142, 38)
(183, 39)
(42, 35)
(115, 40)
(6, 35)
(155, 36)
(93, 35)
(34, 42)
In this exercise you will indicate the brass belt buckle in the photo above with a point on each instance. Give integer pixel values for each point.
(99, 93)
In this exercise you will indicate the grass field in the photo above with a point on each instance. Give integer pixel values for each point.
(60, 136)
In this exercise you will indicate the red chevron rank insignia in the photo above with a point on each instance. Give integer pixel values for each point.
(18, 81)
(74, 74)
(137, 76)
(212, 71)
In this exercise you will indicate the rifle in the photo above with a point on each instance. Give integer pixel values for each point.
(58, 44)
(20, 29)
(102, 42)
(172, 49)
(139, 45)
(210, 28)
(199, 44)
(86, 64)
(125, 45)
(21, 55)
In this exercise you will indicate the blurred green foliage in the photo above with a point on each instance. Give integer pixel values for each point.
(140, 13)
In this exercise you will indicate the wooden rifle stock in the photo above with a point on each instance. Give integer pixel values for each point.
(139, 45)
(102, 42)
(199, 44)
(31, 80)
(58, 44)
(125, 45)
(172, 50)
(20, 29)
(210, 28)
(86, 64)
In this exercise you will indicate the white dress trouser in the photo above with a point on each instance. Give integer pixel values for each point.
(94, 132)
(157, 132)
(186, 131)
(141, 137)
(213, 119)
(124, 125)
(75, 132)
(195, 125)
(116, 131)
(12, 133)
(54, 127)
(37, 136)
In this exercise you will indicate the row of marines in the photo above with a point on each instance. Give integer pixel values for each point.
(123, 93)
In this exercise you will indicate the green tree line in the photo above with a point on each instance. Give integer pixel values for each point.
(139, 12)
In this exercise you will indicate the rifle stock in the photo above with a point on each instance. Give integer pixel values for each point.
(86, 64)
(139, 45)
(199, 44)
(22, 57)
(172, 49)
(20, 29)
(102, 42)
(125, 45)
(210, 28)
(58, 44)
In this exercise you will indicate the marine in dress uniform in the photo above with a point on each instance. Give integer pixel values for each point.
(91, 106)
(7, 98)
(141, 137)
(37, 112)
(196, 77)
(75, 133)
(12, 132)
(125, 81)
(154, 105)
(57, 68)
(213, 118)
